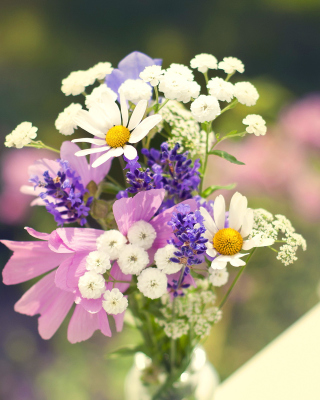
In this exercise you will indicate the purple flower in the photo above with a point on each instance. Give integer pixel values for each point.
(129, 68)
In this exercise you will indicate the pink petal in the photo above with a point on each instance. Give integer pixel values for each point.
(46, 299)
(75, 239)
(142, 206)
(83, 324)
(118, 319)
(36, 234)
(76, 269)
(30, 259)
(62, 274)
(79, 164)
(91, 305)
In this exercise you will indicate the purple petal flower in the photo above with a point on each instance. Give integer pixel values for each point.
(130, 68)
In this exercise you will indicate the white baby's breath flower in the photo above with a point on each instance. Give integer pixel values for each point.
(152, 74)
(114, 302)
(231, 65)
(65, 122)
(176, 87)
(162, 259)
(21, 136)
(182, 70)
(152, 283)
(287, 254)
(246, 93)
(142, 234)
(218, 277)
(76, 82)
(98, 261)
(205, 108)
(91, 285)
(135, 90)
(132, 259)
(203, 62)
(96, 95)
(100, 70)
(111, 242)
(221, 89)
(256, 124)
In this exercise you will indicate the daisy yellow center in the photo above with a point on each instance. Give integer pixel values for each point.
(227, 241)
(117, 136)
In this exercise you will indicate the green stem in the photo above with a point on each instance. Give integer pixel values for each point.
(40, 145)
(231, 105)
(273, 249)
(208, 130)
(236, 279)
(173, 341)
(162, 105)
(113, 180)
(157, 98)
(206, 77)
(229, 76)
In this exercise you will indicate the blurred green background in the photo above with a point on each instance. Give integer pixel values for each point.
(278, 41)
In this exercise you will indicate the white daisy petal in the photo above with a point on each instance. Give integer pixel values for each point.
(111, 109)
(114, 152)
(237, 262)
(211, 252)
(219, 211)
(208, 221)
(238, 206)
(247, 223)
(137, 114)
(144, 128)
(124, 110)
(91, 151)
(100, 117)
(218, 264)
(130, 152)
(84, 120)
(98, 142)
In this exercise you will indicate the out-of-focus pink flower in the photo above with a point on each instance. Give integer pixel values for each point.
(301, 120)
(53, 295)
(14, 205)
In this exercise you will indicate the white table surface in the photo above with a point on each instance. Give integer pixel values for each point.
(287, 369)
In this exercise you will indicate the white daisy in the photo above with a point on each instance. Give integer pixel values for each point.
(113, 128)
(225, 244)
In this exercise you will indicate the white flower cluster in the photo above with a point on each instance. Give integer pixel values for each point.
(77, 81)
(256, 124)
(21, 136)
(195, 311)
(65, 122)
(135, 90)
(268, 227)
(185, 130)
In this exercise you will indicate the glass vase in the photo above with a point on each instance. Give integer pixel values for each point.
(198, 382)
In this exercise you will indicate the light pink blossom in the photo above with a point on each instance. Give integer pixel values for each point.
(53, 296)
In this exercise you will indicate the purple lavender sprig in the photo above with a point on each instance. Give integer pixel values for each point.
(64, 195)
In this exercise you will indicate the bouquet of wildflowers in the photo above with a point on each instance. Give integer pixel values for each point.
(142, 244)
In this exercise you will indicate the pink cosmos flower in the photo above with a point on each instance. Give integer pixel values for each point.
(53, 296)
(135, 219)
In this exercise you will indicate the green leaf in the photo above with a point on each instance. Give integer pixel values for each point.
(226, 156)
(125, 351)
(213, 188)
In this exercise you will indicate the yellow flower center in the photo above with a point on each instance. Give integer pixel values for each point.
(117, 136)
(227, 241)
